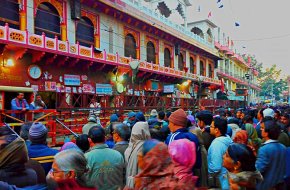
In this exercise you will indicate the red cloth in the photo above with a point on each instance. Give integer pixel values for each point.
(72, 184)
(158, 171)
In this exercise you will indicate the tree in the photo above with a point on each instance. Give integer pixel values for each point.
(270, 82)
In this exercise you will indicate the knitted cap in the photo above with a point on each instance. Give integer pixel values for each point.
(37, 133)
(178, 118)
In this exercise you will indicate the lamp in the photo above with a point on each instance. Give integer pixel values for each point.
(7, 62)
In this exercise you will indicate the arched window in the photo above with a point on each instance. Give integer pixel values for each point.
(130, 46)
(167, 58)
(47, 20)
(85, 32)
(9, 13)
(210, 71)
(192, 65)
(151, 53)
(209, 35)
(111, 40)
(197, 31)
(180, 62)
(201, 69)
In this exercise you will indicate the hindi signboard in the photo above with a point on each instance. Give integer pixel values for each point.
(104, 89)
(72, 80)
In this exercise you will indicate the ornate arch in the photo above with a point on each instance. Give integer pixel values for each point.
(156, 45)
(170, 47)
(194, 63)
(204, 65)
(136, 35)
(95, 19)
(58, 5)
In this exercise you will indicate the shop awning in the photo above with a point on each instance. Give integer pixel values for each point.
(15, 89)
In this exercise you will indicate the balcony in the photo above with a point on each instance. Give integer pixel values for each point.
(53, 45)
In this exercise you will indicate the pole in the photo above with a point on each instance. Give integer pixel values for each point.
(57, 120)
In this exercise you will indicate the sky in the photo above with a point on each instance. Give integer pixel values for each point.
(264, 29)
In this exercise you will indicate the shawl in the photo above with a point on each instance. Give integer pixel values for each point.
(253, 136)
(241, 137)
(245, 179)
(14, 153)
(140, 133)
(183, 154)
(18, 103)
(157, 171)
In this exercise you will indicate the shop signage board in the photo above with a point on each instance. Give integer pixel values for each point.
(241, 92)
(104, 89)
(168, 88)
(72, 80)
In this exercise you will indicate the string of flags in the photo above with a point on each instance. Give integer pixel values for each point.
(220, 6)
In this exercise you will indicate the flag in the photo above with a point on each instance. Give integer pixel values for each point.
(237, 24)
(221, 6)
(198, 8)
(232, 43)
(209, 14)
(218, 1)
(249, 59)
(244, 47)
(222, 85)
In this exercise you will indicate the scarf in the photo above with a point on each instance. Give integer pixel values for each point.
(18, 103)
(183, 154)
(13, 154)
(140, 133)
(157, 171)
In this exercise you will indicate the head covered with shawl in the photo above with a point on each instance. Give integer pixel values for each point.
(252, 134)
(241, 137)
(140, 133)
(183, 154)
(157, 168)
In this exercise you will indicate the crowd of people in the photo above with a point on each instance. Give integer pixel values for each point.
(245, 149)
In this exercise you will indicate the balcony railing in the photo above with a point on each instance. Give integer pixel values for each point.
(54, 45)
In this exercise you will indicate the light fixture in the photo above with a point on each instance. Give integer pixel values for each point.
(185, 83)
(7, 62)
(121, 78)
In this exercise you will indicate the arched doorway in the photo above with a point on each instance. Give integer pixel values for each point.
(180, 62)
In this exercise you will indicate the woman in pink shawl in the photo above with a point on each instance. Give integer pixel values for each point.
(183, 155)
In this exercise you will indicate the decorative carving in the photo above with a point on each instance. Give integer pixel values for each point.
(17, 36)
(124, 60)
(142, 64)
(161, 69)
(94, 18)
(51, 59)
(35, 40)
(62, 47)
(99, 55)
(134, 33)
(85, 52)
(155, 67)
(57, 4)
(1, 33)
(111, 57)
(18, 54)
(72, 49)
(50, 44)
(149, 66)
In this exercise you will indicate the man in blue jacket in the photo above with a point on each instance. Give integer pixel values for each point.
(177, 126)
(217, 173)
(271, 158)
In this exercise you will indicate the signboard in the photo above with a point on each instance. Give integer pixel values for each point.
(168, 88)
(105, 89)
(50, 86)
(88, 88)
(72, 80)
(241, 92)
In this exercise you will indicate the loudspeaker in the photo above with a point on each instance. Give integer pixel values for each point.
(177, 49)
(75, 9)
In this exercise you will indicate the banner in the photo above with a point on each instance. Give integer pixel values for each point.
(104, 89)
(72, 80)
